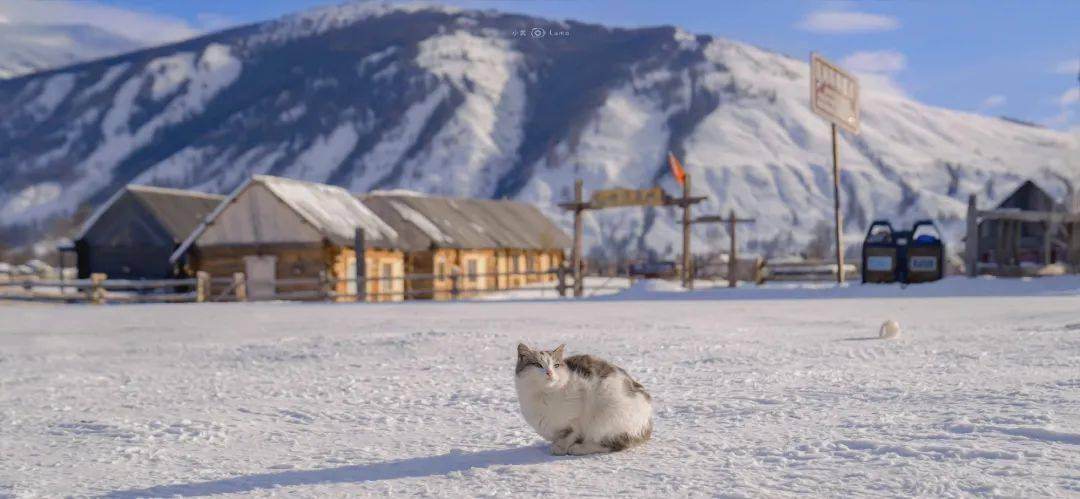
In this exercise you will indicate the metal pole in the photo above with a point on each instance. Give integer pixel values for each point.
(837, 218)
(579, 289)
(732, 256)
(360, 247)
(688, 278)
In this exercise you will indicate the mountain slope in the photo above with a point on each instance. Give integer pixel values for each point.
(456, 102)
(27, 48)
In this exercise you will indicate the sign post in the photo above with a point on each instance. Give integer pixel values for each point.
(834, 95)
(620, 198)
(687, 261)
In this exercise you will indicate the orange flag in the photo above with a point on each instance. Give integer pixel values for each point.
(676, 168)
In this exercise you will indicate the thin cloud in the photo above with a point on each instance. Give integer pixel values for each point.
(1066, 103)
(875, 61)
(838, 21)
(209, 21)
(140, 26)
(1070, 97)
(1070, 67)
(993, 101)
(1060, 120)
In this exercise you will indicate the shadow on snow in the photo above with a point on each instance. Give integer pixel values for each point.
(390, 470)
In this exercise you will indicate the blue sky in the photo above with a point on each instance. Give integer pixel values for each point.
(1011, 58)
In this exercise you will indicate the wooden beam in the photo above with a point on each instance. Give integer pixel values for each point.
(717, 219)
(580, 207)
(733, 254)
(971, 243)
(1028, 216)
(688, 278)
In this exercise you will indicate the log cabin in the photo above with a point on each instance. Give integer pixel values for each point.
(133, 234)
(491, 244)
(275, 230)
(1008, 245)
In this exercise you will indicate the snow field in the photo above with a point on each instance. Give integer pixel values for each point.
(752, 397)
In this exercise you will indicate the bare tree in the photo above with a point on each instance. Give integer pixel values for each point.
(820, 246)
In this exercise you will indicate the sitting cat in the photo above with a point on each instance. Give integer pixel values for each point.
(582, 404)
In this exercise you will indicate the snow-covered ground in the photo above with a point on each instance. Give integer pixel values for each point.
(753, 397)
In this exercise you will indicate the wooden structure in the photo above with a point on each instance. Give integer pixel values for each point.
(1026, 234)
(275, 230)
(732, 221)
(489, 244)
(645, 197)
(133, 234)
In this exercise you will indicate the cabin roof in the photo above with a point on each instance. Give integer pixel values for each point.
(425, 222)
(330, 210)
(1029, 197)
(333, 211)
(178, 211)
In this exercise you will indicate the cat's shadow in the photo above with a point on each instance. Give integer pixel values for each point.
(387, 470)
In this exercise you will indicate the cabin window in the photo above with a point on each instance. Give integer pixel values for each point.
(440, 270)
(472, 265)
(530, 263)
(515, 264)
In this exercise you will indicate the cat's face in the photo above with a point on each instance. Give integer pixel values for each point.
(541, 367)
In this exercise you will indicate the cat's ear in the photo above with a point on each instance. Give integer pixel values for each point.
(557, 353)
(523, 350)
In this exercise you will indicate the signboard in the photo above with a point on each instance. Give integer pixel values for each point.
(834, 94)
(610, 198)
(879, 263)
(922, 264)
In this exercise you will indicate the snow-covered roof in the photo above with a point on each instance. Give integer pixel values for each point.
(425, 222)
(179, 211)
(330, 210)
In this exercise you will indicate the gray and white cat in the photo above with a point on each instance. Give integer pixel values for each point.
(582, 404)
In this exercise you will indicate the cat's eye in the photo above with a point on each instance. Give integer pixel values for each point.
(557, 365)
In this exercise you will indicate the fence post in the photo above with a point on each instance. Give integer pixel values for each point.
(202, 286)
(687, 261)
(97, 292)
(239, 286)
(324, 285)
(733, 254)
(455, 283)
(360, 249)
(560, 273)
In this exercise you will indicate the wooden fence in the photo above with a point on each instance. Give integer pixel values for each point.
(99, 289)
(806, 271)
(206, 288)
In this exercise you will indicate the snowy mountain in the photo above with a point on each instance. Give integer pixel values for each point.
(473, 104)
(27, 48)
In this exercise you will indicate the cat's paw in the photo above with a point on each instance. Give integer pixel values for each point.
(584, 449)
(558, 450)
